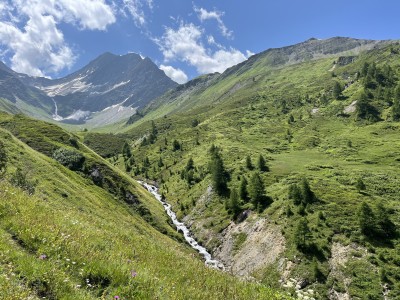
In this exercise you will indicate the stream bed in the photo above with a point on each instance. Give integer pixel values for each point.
(209, 261)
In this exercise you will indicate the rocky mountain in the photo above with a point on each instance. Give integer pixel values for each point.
(18, 97)
(251, 72)
(110, 82)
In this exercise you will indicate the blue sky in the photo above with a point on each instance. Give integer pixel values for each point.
(184, 38)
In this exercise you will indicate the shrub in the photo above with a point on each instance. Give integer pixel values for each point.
(71, 159)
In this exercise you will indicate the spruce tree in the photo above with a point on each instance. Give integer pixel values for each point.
(262, 166)
(3, 158)
(249, 164)
(189, 165)
(301, 233)
(126, 151)
(385, 227)
(234, 203)
(256, 189)
(243, 189)
(306, 192)
(337, 90)
(295, 194)
(396, 104)
(218, 173)
(366, 219)
(360, 185)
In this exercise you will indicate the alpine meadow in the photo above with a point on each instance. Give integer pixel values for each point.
(272, 175)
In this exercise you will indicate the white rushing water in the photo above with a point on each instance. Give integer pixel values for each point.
(181, 227)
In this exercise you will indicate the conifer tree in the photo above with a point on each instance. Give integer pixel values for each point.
(306, 192)
(218, 173)
(234, 203)
(366, 219)
(256, 189)
(189, 165)
(385, 227)
(3, 158)
(360, 185)
(126, 151)
(243, 189)
(337, 90)
(396, 104)
(262, 166)
(301, 233)
(249, 164)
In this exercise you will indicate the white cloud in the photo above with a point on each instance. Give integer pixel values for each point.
(29, 30)
(204, 15)
(176, 75)
(136, 10)
(184, 44)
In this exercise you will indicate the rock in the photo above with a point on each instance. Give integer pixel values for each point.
(345, 60)
(243, 216)
(131, 199)
(96, 176)
(302, 283)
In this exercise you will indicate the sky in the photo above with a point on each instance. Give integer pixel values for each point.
(184, 38)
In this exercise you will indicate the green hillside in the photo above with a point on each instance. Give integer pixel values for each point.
(327, 128)
(74, 227)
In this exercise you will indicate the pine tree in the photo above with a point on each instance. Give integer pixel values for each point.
(218, 173)
(262, 164)
(364, 70)
(249, 164)
(189, 165)
(396, 104)
(301, 233)
(306, 192)
(234, 204)
(176, 146)
(295, 194)
(360, 185)
(256, 189)
(366, 219)
(243, 189)
(3, 158)
(337, 90)
(160, 162)
(385, 227)
(126, 151)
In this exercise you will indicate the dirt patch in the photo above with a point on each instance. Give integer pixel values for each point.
(340, 256)
(262, 246)
(351, 108)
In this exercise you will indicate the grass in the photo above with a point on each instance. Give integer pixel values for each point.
(73, 239)
(330, 149)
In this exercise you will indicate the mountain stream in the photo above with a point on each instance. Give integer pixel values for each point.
(181, 227)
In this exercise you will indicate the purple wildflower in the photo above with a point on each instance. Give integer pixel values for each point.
(116, 297)
(43, 256)
(133, 273)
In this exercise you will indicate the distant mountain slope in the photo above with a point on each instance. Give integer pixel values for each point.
(118, 83)
(253, 73)
(108, 80)
(16, 96)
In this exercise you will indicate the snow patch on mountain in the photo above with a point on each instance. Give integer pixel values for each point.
(70, 87)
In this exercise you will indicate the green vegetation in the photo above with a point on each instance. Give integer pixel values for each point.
(92, 232)
(318, 146)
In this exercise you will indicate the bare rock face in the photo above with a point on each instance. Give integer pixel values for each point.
(249, 246)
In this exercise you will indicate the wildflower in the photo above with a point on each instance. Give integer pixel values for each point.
(43, 256)
(133, 273)
(116, 297)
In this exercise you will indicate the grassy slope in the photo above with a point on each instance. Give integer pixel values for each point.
(92, 240)
(249, 121)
